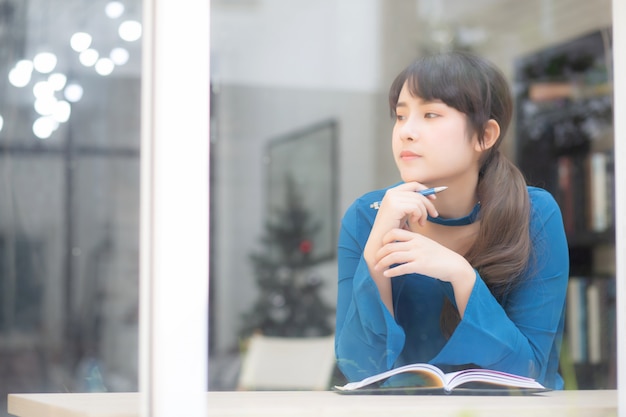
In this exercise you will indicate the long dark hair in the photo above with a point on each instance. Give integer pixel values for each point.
(477, 88)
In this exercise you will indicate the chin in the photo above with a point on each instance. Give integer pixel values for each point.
(422, 179)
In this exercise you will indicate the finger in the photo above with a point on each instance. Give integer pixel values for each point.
(399, 270)
(386, 250)
(397, 235)
(392, 261)
(419, 215)
(432, 211)
(427, 209)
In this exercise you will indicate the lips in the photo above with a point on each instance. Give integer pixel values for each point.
(408, 155)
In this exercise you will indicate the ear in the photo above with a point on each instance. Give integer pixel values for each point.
(492, 133)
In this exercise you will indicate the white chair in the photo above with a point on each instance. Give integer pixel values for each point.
(285, 363)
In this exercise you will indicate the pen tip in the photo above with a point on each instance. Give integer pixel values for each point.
(438, 189)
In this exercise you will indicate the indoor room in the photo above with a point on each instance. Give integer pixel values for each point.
(281, 79)
(299, 127)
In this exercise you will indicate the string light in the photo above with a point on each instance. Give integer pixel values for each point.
(88, 57)
(130, 30)
(73, 92)
(45, 62)
(61, 111)
(44, 126)
(43, 89)
(51, 109)
(21, 74)
(57, 81)
(44, 106)
(80, 41)
(119, 56)
(104, 66)
(114, 9)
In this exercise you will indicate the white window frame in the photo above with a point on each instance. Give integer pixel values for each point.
(175, 194)
(174, 208)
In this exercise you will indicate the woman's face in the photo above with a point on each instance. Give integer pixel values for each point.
(430, 142)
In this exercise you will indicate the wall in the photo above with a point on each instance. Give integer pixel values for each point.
(323, 44)
(279, 67)
(239, 181)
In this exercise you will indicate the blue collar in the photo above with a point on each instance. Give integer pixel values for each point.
(459, 221)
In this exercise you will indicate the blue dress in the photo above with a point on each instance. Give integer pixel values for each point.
(520, 333)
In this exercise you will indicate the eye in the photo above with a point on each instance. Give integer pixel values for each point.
(430, 115)
(400, 117)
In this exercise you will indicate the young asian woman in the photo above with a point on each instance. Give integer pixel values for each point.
(473, 276)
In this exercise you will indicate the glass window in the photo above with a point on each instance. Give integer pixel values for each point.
(280, 68)
(69, 216)
(281, 72)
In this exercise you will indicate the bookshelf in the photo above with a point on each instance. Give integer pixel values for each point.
(564, 143)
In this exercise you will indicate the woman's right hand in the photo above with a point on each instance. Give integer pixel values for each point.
(400, 205)
(404, 203)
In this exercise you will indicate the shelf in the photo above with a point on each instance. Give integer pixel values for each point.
(587, 239)
(564, 132)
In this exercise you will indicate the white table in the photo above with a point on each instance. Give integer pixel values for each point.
(597, 403)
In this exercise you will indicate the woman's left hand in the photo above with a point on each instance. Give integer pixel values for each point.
(409, 252)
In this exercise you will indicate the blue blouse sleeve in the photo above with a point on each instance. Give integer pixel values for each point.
(523, 334)
(367, 338)
(519, 334)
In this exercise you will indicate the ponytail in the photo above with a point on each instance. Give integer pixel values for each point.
(502, 248)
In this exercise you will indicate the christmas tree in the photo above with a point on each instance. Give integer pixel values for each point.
(289, 302)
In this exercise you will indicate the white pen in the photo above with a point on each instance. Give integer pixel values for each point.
(425, 193)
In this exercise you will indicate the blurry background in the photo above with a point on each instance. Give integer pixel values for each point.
(283, 67)
(69, 181)
(299, 129)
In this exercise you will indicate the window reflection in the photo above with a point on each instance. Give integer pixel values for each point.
(69, 170)
(276, 67)
(70, 178)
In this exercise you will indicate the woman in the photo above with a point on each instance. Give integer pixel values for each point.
(474, 276)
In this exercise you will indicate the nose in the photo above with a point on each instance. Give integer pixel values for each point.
(409, 131)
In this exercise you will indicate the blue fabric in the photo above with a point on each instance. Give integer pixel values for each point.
(520, 333)
(459, 221)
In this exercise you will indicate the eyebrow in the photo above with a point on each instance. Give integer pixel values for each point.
(421, 102)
